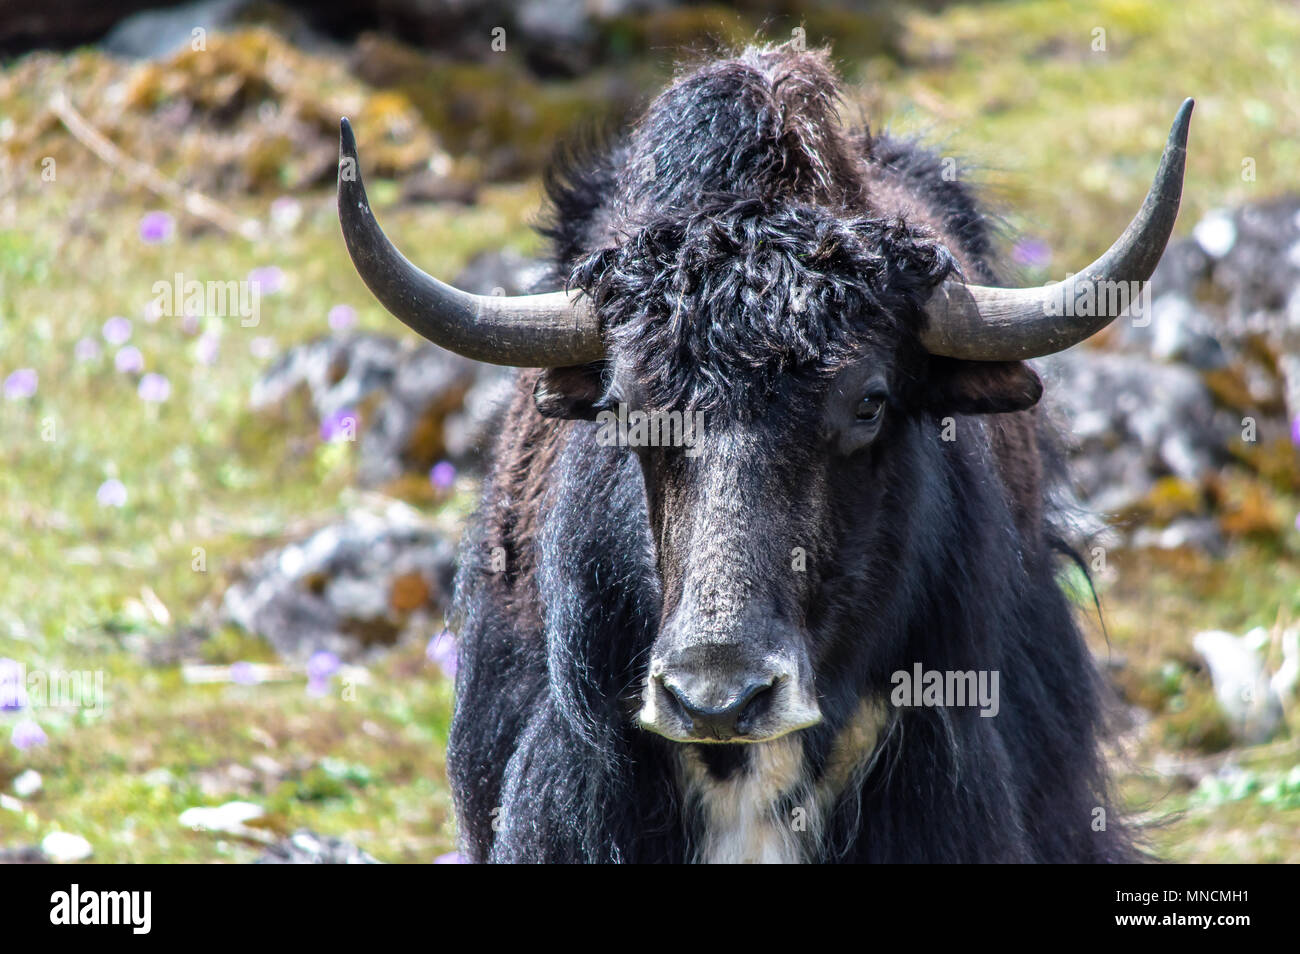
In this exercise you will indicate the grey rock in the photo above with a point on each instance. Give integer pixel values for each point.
(1130, 421)
(1175, 329)
(504, 273)
(154, 34)
(422, 403)
(349, 588)
(24, 855)
(305, 847)
(1241, 682)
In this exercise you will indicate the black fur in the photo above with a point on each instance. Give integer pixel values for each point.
(921, 549)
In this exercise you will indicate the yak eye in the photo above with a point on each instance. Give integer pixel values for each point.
(870, 408)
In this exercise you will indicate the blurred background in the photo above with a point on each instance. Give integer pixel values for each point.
(231, 485)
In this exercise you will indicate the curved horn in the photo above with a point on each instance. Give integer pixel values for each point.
(980, 323)
(531, 331)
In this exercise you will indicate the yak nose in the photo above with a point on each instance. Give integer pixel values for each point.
(715, 712)
(725, 693)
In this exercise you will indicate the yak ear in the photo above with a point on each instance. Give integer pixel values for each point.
(569, 394)
(982, 387)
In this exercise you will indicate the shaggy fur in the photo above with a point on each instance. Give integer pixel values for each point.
(736, 194)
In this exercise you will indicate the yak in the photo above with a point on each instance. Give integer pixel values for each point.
(825, 624)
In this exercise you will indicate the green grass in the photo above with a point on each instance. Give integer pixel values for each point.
(1066, 139)
(200, 472)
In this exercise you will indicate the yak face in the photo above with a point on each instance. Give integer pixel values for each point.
(748, 284)
(741, 530)
(787, 332)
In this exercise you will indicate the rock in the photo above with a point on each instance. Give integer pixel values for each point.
(153, 34)
(1241, 682)
(23, 855)
(231, 817)
(561, 35)
(427, 185)
(1177, 331)
(504, 273)
(62, 847)
(1227, 302)
(409, 403)
(1259, 272)
(1199, 533)
(27, 784)
(437, 406)
(348, 588)
(338, 372)
(1216, 234)
(1129, 422)
(305, 847)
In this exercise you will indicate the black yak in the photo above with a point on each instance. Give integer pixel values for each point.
(698, 643)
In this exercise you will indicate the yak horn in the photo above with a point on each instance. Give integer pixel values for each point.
(530, 331)
(981, 323)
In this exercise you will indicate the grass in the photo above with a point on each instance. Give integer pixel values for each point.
(1064, 136)
(201, 474)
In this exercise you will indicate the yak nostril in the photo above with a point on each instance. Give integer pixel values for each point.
(728, 720)
(756, 704)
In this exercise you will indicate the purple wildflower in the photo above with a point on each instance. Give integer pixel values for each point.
(342, 317)
(156, 227)
(268, 279)
(321, 667)
(111, 493)
(341, 425)
(117, 330)
(443, 474)
(87, 349)
(1031, 253)
(323, 664)
(155, 388)
(286, 212)
(441, 651)
(129, 360)
(206, 348)
(13, 695)
(1295, 430)
(28, 734)
(450, 858)
(242, 673)
(21, 384)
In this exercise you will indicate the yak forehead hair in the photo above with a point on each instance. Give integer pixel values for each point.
(763, 123)
(715, 307)
(743, 252)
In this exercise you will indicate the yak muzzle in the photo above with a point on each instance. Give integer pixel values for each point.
(707, 693)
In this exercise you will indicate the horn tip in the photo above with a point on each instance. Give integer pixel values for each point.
(1183, 119)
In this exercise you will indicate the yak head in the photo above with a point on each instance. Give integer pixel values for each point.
(766, 340)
